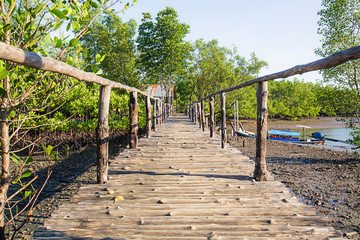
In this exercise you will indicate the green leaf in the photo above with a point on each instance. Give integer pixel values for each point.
(29, 160)
(2, 91)
(25, 174)
(14, 159)
(6, 27)
(75, 26)
(47, 149)
(57, 25)
(68, 27)
(58, 13)
(73, 42)
(59, 44)
(27, 193)
(94, 5)
(3, 74)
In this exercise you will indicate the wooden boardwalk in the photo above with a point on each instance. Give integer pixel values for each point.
(180, 184)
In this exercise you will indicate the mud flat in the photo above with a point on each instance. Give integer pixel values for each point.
(325, 178)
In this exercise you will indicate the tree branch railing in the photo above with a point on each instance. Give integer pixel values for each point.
(260, 172)
(160, 109)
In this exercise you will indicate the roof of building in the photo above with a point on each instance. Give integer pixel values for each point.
(159, 91)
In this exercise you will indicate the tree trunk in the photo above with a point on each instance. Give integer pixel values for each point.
(212, 117)
(260, 172)
(223, 120)
(102, 135)
(5, 144)
(133, 114)
(148, 117)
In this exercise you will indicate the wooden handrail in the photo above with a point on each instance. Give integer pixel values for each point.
(260, 172)
(33, 60)
(324, 63)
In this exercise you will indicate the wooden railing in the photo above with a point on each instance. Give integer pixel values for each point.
(196, 113)
(160, 113)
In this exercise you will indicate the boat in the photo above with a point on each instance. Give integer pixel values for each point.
(244, 133)
(292, 137)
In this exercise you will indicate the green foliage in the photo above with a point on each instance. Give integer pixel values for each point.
(340, 25)
(111, 47)
(162, 50)
(292, 99)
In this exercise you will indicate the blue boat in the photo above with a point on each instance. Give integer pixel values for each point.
(287, 136)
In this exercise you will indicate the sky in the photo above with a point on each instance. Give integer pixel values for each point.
(281, 32)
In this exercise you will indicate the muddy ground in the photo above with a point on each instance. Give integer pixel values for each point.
(327, 179)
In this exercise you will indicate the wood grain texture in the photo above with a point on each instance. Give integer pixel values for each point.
(223, 119)
(102, 134)
(260, 172)
(133, 115)
(180, 185)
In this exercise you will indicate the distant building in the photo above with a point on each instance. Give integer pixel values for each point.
(159, 91)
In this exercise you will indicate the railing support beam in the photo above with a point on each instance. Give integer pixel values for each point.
(133, 114)
(203, 125)
(102, 135)
(212, 117)
(260, 172)
(223, 120)
(148, 117)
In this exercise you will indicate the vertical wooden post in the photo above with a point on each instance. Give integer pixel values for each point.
(203, 125)
(223, 120)
(199, 114)
(157, 112)
(191, 112)
(195, 113)
(212, 117)
(102, 135)
(133, 115)
(148, 117)
(260, 172)
(154, 116)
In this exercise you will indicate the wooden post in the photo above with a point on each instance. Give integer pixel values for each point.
(203, 115)
(191, 112)
(102, 135)
(148, 117)
(260, 172)
(133, 115)
(223, 120)
(199, 114)
(195, 113)
(157, 112)
(154, 116)
(212, 117)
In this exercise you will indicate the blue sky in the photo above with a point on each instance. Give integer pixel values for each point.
(281, 32)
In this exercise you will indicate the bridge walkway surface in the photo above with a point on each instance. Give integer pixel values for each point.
(180, 184)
